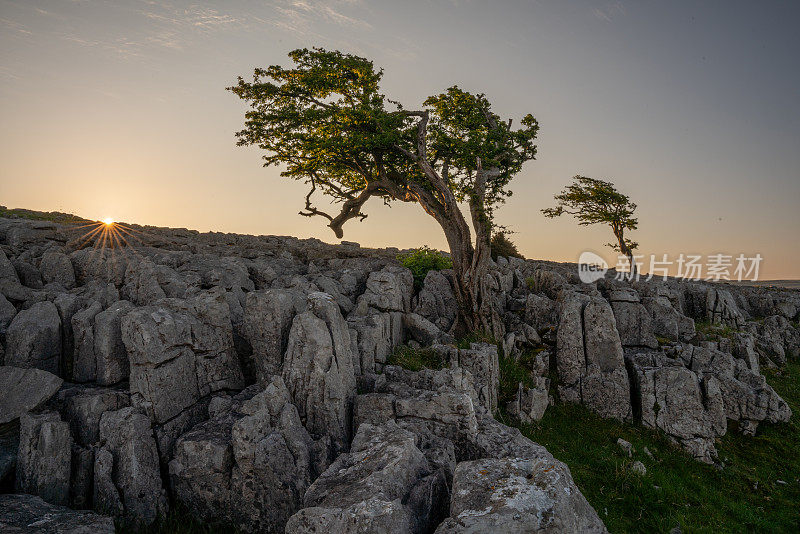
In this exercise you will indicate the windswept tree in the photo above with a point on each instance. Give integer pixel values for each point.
(593, 201)
(327, 123)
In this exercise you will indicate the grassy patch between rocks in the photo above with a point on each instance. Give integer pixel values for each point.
(714, 332)
(758, 490)
(414, 359)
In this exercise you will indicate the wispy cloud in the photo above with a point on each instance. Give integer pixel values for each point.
(609, 11)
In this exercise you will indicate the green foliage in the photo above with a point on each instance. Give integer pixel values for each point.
(414, 359)
(594, 201)
(512, 372)
(745, 496)
(422, 260)
(478, 336)
(326, 122)
(714, 332)
(503, 246)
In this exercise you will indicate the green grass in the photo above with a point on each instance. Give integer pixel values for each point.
(714, 332)
(54, 216)
(414, 359)
(744, 496)
(179, 520)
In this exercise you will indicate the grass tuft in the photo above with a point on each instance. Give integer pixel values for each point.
(415, 359)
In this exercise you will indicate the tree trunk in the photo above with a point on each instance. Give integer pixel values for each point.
(471, 266)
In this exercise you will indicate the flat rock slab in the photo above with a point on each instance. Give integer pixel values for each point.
(28, 514)
(24, 390)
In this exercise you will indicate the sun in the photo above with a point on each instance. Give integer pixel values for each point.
(108, 221)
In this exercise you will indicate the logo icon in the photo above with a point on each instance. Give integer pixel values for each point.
(591, 267)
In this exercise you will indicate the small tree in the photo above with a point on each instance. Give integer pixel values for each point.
(326, 121)
(593, 201)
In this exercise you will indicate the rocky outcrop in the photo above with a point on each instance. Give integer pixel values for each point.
(43, 460)
(24, 390)
(436, 301)
(267, 322)
(517, 495)
(180, 352)
(56, 268)
(319, 369)
(589, 357)
(27, 514)
(33, 339)
(250, 464)
(384, 484)
(127, 479)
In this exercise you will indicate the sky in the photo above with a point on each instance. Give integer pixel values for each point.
(118, 108)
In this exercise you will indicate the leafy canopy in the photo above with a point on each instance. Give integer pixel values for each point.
(593, 201)
(326, 121)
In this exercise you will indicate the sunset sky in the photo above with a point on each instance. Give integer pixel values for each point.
(118, 109)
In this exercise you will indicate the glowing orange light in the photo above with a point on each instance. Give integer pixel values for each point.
(108, 221)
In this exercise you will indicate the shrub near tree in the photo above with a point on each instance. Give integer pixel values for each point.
(593, 201)
(326, 122)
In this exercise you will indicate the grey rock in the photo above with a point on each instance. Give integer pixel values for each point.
(626, 447)
(27, 514)
(589, 357)
(34, 338)
(84, 366)
(423, 331)
(319, 369)
(83, 408)
(180, 351)
(7, 313)
(375, 337)
(436, 301)
(28, 274)
(111, 358)
(127, 475)
(634, 322)
(517, 495)
(482, 361)
(529, 404)
(638, 468)
(250, 465)
(56, 268)
(667, 322)
(388, 290)
(44, 457)
(267, 320)
(24, 390)
(383, 484)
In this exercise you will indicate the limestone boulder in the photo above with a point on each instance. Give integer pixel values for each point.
(33, 339)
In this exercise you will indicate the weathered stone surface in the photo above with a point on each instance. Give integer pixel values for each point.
(673, 399)
(83, 406)
(589, 357)
(180, 351)
(634, 322)
(27, 514)
(375, 337)
(388, 290)
(439, 403)
(481, 360)
(56, 268)
(111, 358)
(33, 338)
(540, 312)
(319, 369)
(127, 475)
(518, 495)
(24, 390)
(423, 331)
(248, 466)
(43, 460)
(267, 320)
(436, 301)
(667, 322)
(7, 313)
(384, 484)
(529, 404)
(84, 364)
